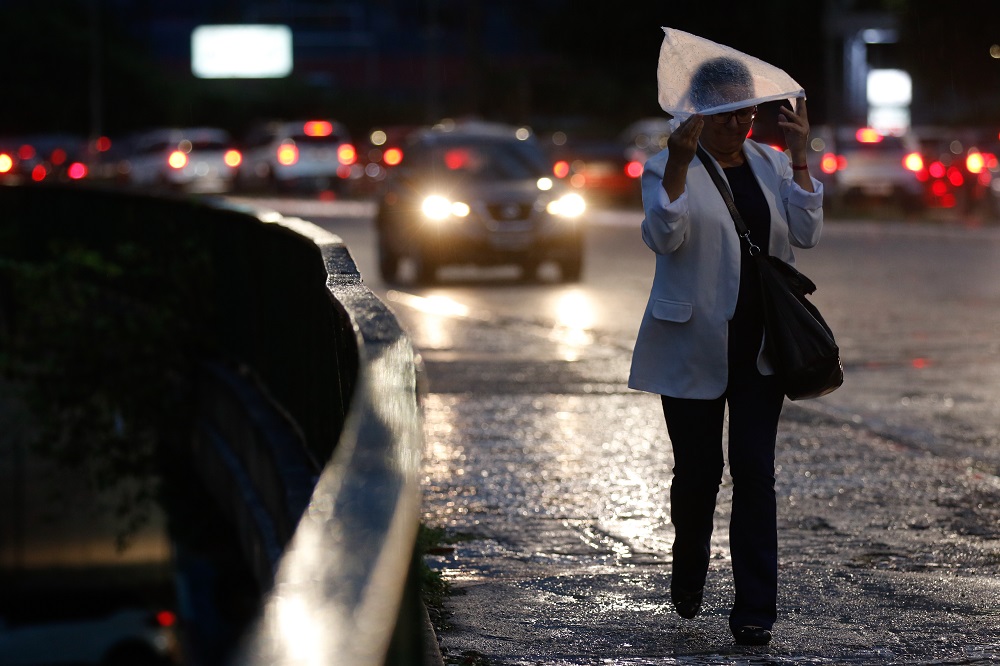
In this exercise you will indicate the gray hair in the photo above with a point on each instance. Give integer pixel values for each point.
(719, 81)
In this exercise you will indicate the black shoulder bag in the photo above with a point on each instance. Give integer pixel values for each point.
(798, 341)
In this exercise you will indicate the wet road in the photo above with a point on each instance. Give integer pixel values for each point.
(553, 478)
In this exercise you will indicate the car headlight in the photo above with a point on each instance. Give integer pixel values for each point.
(569, 205)
(438, 208)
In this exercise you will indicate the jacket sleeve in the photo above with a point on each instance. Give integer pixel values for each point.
(804, 210)
(666, 223)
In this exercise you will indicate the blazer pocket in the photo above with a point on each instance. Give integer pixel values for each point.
(671, 310)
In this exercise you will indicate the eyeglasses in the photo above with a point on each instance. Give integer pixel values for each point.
(743, 116)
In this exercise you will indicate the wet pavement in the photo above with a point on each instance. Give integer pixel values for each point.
(558, 502)
(551, 479)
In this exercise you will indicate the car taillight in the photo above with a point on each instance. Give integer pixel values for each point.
(975, 162)
(288, 154)
(830, 163)
(633, 169)
(6, 163)
(58, 156)
(232, 157)
(318, 128)
(77, 171)
(346, 154)
(868, 135)
(26, 152)
(165, 618)
(560, 169)
(914, 162)
(177, 159)
(392, 156)
(936, 169)
(39, 173)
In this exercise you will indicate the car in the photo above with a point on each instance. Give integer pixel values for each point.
(303, 155)
(43, 158)
(646, 137)
(477, 193)
(190, 159)
(861, 165)
(121, 637)
(961, 169)
(599, 168)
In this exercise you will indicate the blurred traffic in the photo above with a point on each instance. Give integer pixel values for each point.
(926, 171)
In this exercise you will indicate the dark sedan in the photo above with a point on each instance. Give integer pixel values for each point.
(477, 193)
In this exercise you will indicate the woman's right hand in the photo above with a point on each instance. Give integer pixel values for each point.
(683, 141)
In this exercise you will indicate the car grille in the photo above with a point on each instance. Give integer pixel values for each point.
(509, 212)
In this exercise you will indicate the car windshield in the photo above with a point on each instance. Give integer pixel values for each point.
(484, 160)
(307, 140)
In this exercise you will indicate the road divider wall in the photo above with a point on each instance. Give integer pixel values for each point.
(304, 416)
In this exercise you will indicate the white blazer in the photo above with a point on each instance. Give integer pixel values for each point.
(682, 346)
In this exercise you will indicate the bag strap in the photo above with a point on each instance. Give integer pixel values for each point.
(741, 227)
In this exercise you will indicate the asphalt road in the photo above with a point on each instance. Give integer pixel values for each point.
(551, 478)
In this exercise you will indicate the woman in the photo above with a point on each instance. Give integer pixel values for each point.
(700, 343)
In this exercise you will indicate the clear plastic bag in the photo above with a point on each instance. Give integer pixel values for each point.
(697, 75)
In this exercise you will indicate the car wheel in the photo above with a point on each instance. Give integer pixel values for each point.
(571, 268)
(388, 261)
(424, 269)
(529, 270)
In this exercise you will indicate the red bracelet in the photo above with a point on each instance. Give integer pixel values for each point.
(800, 167)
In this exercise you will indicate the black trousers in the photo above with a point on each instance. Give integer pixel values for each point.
(696, 429)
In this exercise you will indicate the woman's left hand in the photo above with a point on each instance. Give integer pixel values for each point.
(796, 127)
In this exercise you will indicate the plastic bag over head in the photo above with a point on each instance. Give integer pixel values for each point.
(696, 75)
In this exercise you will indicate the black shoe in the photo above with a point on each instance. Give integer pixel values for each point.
(752, 635)
(687, 604)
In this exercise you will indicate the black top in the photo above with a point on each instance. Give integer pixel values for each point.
(746, 328)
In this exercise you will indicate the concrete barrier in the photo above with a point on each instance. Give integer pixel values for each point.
(308, 425)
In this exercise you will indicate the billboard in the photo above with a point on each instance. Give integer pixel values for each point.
(241, 51)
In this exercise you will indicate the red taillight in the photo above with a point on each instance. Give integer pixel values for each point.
(829, 163)
(955, 176)
(26, 152)
(317, 128)
(633, 169)
(39, 173)
(177, 159)
(939, 188)
(165, 618)
(288, 154)
(868, 135)
(560, 169)
(914, 162)
(232, 157)
(6, 163)
(975, 162)
(58, 156)
(77, 171)
(103, 144)
(346, 154)
(392, 156)
(936, 170)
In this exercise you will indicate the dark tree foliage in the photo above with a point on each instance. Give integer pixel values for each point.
(100, 343)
